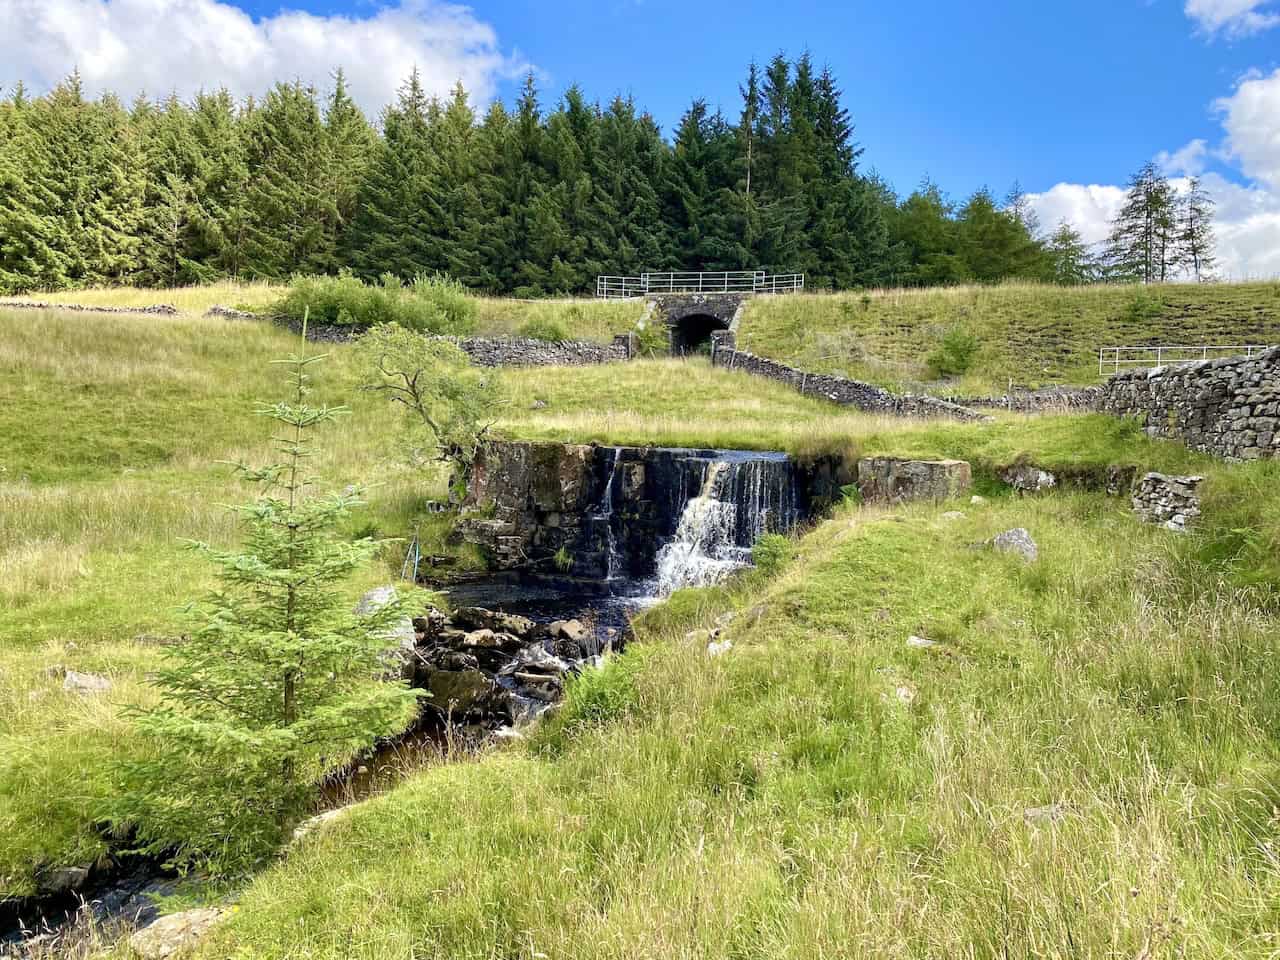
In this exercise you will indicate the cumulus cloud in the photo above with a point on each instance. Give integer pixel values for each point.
(1251, 119)
(1232, 18)
(1188, 160)
(1090, 209)
(1248, 206)
(182, 46)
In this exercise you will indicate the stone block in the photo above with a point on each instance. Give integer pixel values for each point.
(890, 480)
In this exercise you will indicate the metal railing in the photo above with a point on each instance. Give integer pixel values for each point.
(1114, 358)
(726, 281)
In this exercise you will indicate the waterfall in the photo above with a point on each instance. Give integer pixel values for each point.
(605, 516)
(739, 499)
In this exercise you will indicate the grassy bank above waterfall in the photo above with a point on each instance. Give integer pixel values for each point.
(1030, 334)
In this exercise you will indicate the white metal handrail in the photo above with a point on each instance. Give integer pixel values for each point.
(1161, 355)
(724, 281)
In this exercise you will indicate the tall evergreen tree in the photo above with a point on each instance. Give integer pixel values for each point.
(1072, 263)
(291, 212)
(348, 145)
(394, 228)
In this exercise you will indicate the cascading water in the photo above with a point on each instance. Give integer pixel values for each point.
(740, 498)
(605, 517)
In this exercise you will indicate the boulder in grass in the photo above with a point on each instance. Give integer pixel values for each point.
(85, 684)
(175, 934)
(1016, 541)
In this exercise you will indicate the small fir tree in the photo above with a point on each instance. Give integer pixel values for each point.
(278, 682)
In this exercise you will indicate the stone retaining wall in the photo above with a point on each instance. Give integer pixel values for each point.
(1172, 502)
(1229, 408)
(852, 393)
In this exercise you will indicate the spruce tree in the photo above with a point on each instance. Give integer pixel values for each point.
(220, 219)
(1072, 263)
(291, 212)
(348, 146)
(171, 157)
(276, 684)
(396, 229)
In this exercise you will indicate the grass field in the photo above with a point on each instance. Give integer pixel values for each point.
(1029, 334)
(822, 790)
(1084, 766)
(585, 319)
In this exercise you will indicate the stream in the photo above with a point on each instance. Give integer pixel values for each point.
(703, 510)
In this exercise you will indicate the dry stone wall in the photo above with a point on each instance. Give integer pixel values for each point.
(851, 393)
(501, 351)
(1229, 408)
(155, 310)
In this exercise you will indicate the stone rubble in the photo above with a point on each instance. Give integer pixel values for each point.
(1170, 501)
(85, 684)
(174, 934)
(486, 669)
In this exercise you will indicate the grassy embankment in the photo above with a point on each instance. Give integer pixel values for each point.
(1030, 334)
(783, 799)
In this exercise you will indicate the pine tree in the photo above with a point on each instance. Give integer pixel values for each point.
(995, 243)
(31, 251)
(1195, 232)
(348, 146)
(291, 212)
(276, 683)
(171, 158)
(220, 219)
(929, 239)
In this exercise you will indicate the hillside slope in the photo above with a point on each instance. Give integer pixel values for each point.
(1030, 334)
(1084, 764)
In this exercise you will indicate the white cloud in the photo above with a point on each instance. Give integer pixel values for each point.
(1232, 18)
(1188, 160)
(164, 46)
(1090, 209)
(1247, 219)
(1251, 118)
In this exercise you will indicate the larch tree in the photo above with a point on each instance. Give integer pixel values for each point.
(1196, 240)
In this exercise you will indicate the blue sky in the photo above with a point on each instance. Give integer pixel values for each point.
(970, 93)
(1068, 98)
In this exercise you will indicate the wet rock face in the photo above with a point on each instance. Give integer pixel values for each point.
(887, 480)
(492, 669)
(604, 512)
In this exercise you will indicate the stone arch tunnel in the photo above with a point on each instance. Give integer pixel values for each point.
(691, 319)
(692, 333)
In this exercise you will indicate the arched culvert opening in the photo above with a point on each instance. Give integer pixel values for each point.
(692, 334)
